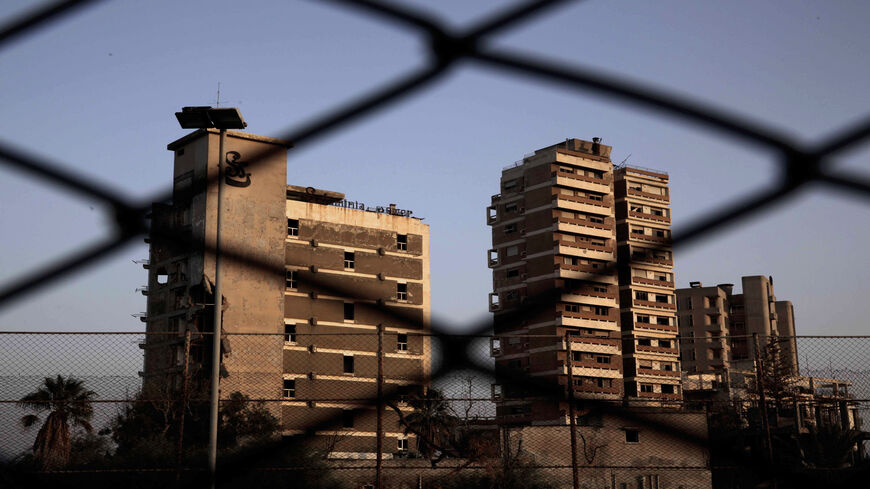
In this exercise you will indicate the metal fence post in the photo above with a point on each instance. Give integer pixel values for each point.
(380, 409)
(572, 422)
(184, 374)
(762, 398)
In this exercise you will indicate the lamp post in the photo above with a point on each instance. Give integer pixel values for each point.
(222, 119)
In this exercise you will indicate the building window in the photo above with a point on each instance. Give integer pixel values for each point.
(572, 308)
(602, 359)
(289, 388)
(667, 389)
(601, 310)
(596, 220)
(632, 435)
(292, 227)
(348, 311)
(348, 364)
(402, 292)
(347, 418)
(290, 333)
(512, 207)
(642, 319)
(402, 444)
(512, 251)
(641, 296)
(402, 242)
(510, 228)
(646, 388)
(349, 261)
(291, 279)
(510, 184)
(402, 342)
(514, 272)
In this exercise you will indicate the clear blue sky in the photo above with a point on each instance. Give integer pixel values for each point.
(97, 91)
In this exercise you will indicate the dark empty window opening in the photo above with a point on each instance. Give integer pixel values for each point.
(349, 260)
(402, 342)
(513, 273)
(667, 389)
(512, 207)
(632, 436)
(402, 242)
(290, 333)
(289, 388)
(348, 364)
(348, 311)
(347, 418)
(292, 227)
(510, 228)
(402, 292)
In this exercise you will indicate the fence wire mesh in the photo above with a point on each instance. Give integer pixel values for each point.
(491, 444)
(315, 420)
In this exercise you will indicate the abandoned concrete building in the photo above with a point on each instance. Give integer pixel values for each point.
(717, 325)
(307, 283)
(566, 221)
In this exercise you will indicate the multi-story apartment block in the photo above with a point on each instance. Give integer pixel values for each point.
(553, 230)
(646, 284)
(582, 250)
(321, 276)
(717, 325)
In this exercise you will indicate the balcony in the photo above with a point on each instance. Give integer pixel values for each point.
(661, 373)
(656, 327)
(589, 389)
(605, 203)
(650, 238)
(649, 217)
(652, 282)
(593, 340)
(656, 349)
(647, 195)
(652, 260)
(659, 395)
(655, 304)
(616, 367)
(607, 225)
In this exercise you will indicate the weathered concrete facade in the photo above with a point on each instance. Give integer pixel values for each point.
(182, 262)
(638, 449)
(306, 287)
(566, 220)
(371, 271)
(646, 284)
(553, 229)
(717, 325)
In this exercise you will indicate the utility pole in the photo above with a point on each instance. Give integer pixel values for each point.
(572, 422)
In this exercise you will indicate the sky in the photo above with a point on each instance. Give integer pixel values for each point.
(96, 92)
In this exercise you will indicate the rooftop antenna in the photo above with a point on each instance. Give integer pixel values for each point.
(218, 102)
(626, 159)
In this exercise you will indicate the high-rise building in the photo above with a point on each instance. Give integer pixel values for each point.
(646, 284)
(577, 253)
(320, 275)
(716, 325)
(553, 230)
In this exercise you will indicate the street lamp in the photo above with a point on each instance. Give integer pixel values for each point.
(222, 118)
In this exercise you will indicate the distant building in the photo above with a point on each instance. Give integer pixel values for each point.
(716, 325)
(557, 226)
(301, 264)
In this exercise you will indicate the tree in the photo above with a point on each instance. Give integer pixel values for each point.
(67, 402)
(431, 421)
(777, 373)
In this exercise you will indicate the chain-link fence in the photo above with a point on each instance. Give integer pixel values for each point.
(347, 410)
(794, 422)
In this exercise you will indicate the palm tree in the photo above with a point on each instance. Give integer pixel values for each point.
(431, 421)
(67, 402)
